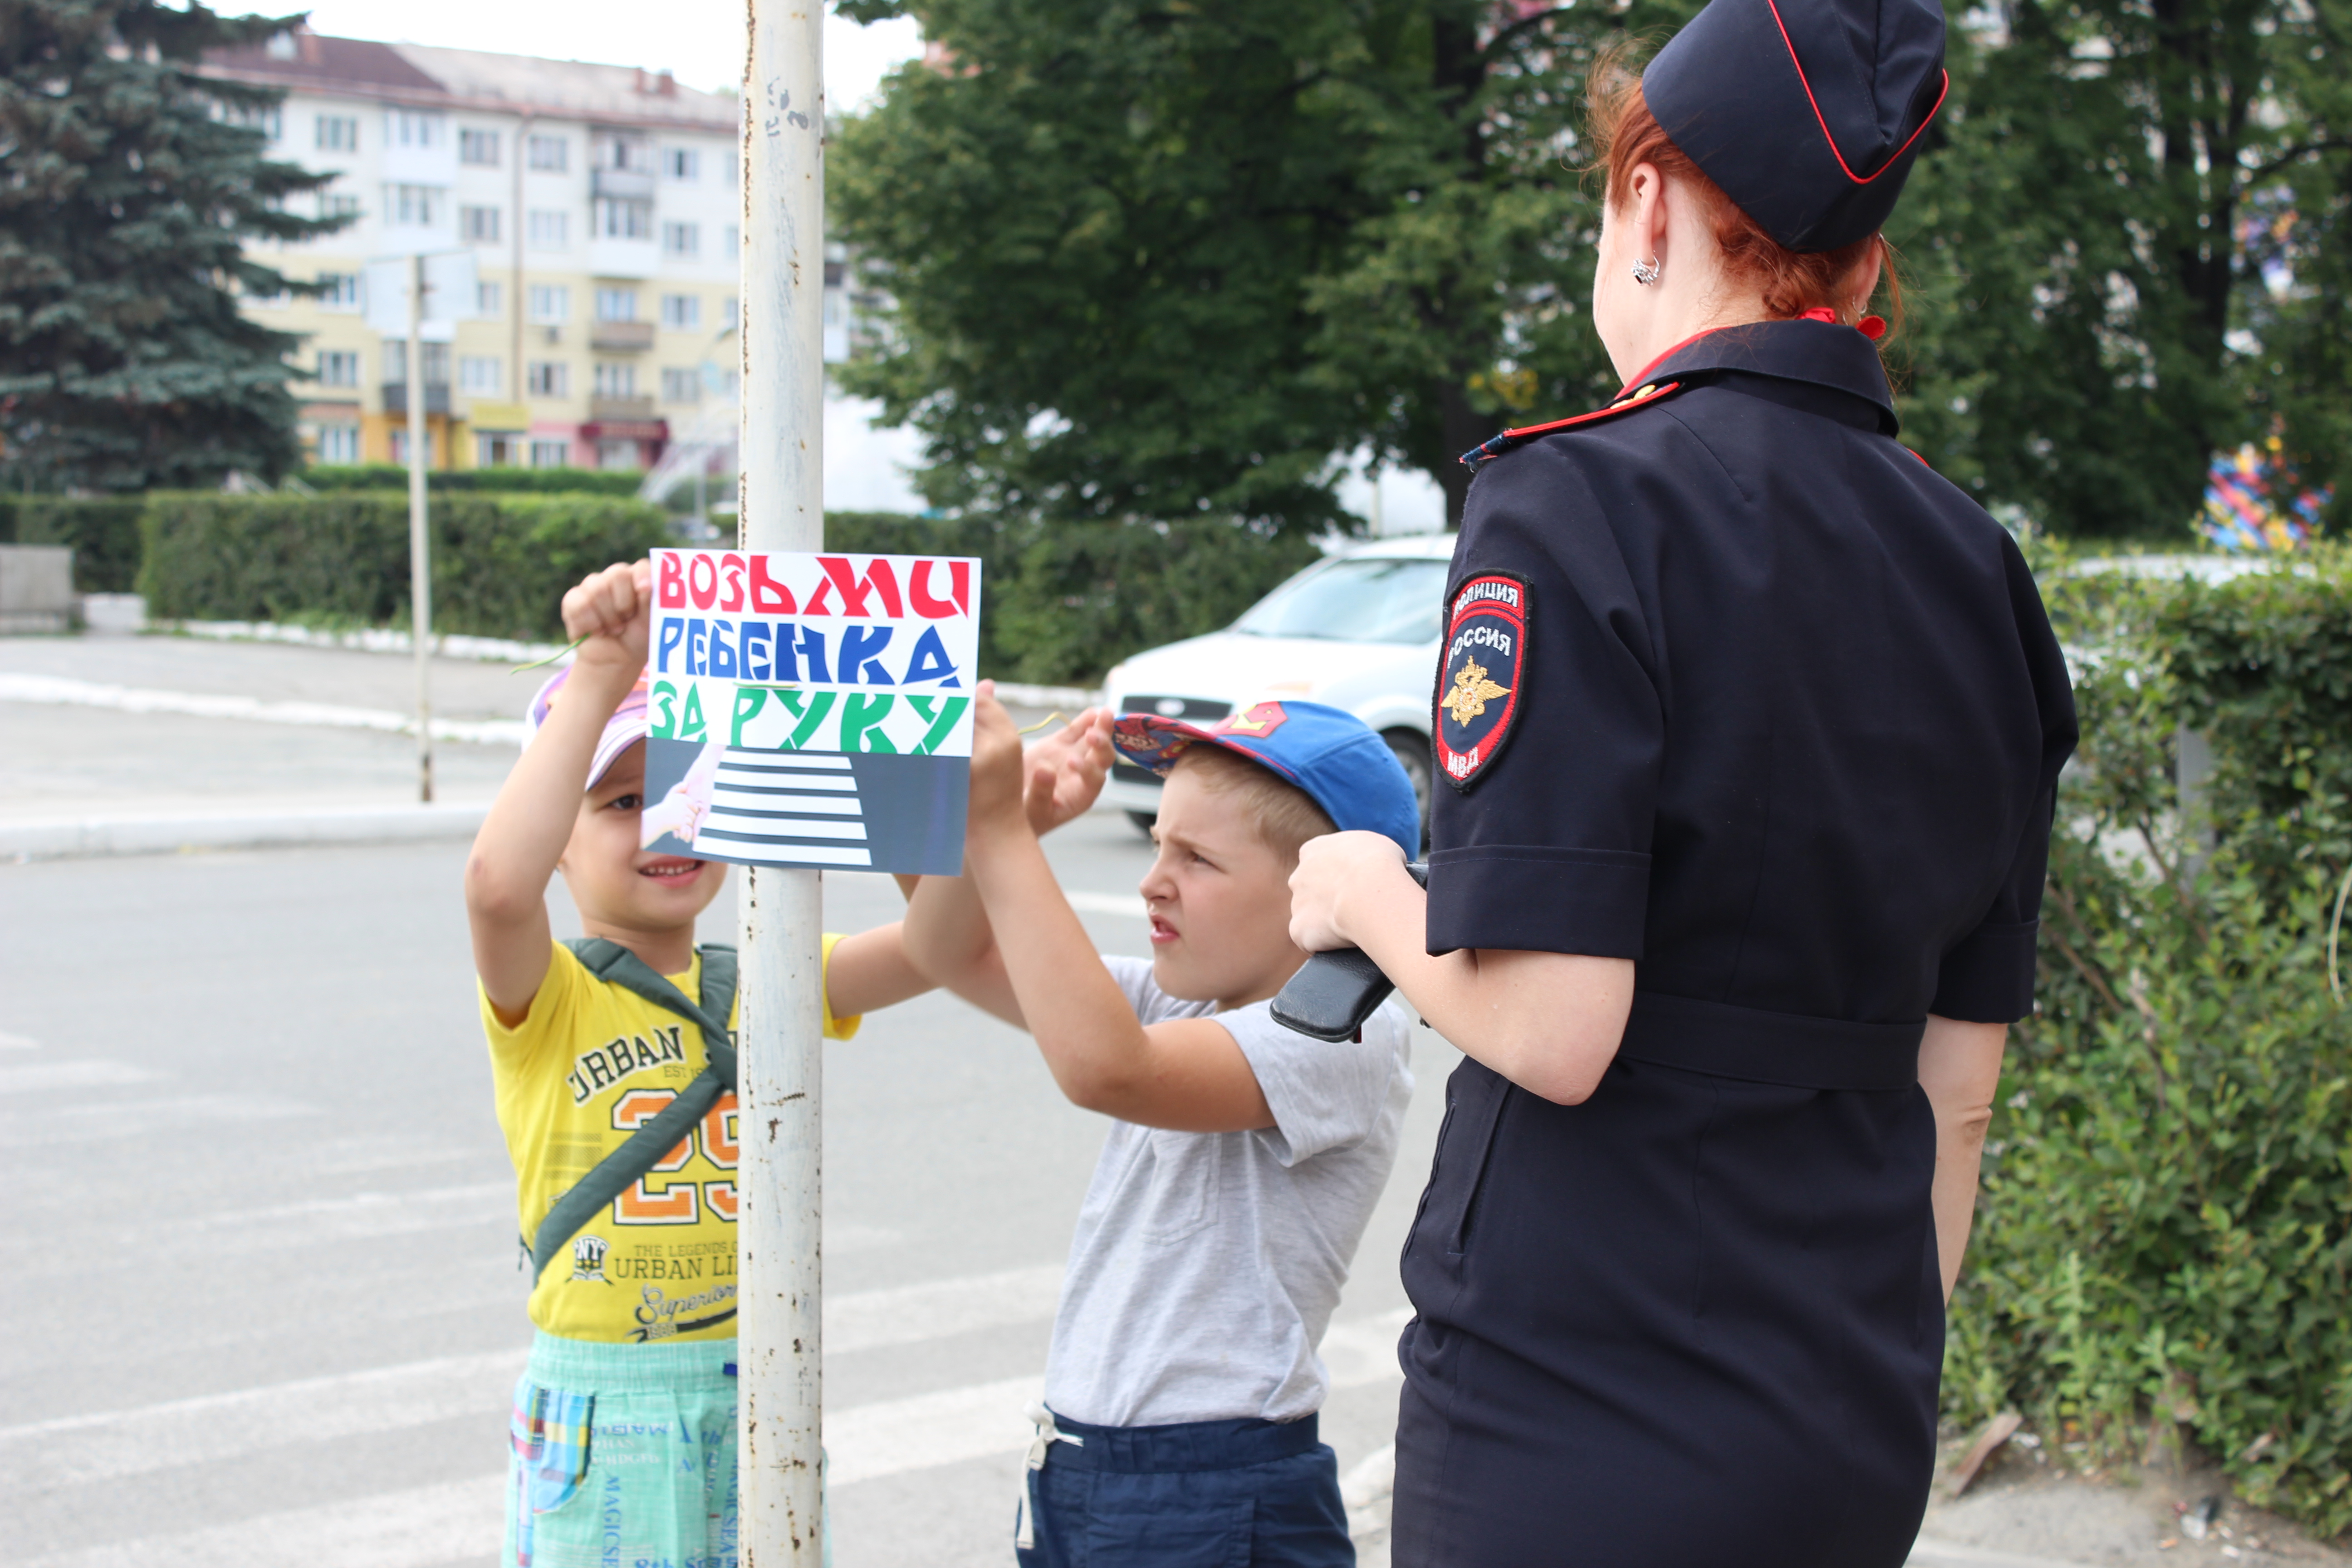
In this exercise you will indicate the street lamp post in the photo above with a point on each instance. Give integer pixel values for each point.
(782, 507)
(420, 539)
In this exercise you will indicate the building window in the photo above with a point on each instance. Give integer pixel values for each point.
(734, 312)
(683, 164)
(339, 443)
(489, 300)
(550, 302)
(626, 153)
(734, 239)
(265, 119)
(479, 148)
(616, 304)
(336, 132)
(338, 368)
(616, 380)
(682, 311)
(681, 385)
(550, 454)
(550, 229)
(549, 378)
(618, 219)
(395, 362)
(482, 373)
(500, 451)
(414, 128)
(416, 206)
(338, 203)
(682, 239)
(550, 154)
(617, 454)
(338, 290)
(479, 224)
(400, 445)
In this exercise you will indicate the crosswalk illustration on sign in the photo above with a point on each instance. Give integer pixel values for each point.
(804, 802)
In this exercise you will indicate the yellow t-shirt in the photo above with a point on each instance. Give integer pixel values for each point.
(590, 1063)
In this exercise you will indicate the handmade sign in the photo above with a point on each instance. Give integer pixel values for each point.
(811, 710)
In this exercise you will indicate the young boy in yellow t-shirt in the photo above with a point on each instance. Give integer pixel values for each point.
(624, 1433)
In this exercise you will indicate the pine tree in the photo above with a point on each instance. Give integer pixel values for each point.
(129, 186)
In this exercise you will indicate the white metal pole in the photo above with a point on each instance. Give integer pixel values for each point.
(420, 543)
(782, 507)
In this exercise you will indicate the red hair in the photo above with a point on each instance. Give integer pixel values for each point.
(1625, 135)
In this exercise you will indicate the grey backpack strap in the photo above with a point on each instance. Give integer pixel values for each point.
(651, 1141)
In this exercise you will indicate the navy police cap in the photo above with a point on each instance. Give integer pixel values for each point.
(1807, 113)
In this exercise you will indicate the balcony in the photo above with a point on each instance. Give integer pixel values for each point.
(623, 185)
(626, 337)
(623, 257)
(603, 409)
(395, 397)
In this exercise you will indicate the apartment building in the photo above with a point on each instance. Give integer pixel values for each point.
(602, 208)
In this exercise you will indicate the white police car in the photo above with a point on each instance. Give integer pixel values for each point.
(1358, 630)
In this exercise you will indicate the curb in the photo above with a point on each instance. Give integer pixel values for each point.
(92, 838)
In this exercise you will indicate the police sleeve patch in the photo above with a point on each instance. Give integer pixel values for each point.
(1481, 674)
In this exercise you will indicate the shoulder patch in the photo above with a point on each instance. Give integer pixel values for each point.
(1641, 396)
(1482, 674)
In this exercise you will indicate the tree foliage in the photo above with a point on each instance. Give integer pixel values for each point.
(129, 186)
(1163, 258)
(2130, 246)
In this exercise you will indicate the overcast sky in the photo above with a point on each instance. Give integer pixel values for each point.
(699, 40)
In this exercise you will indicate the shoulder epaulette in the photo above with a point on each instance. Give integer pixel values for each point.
(1649, 392)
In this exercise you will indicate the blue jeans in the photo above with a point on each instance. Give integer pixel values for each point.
(1205, 1494)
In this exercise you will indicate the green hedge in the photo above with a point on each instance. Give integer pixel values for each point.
(104, 532)
(2163, 1242)
(501, 563)
(1061, 603)
(530, 481)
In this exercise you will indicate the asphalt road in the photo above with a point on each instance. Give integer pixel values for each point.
(271, 1309)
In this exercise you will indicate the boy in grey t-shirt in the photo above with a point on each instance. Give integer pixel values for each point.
(1243, 1159)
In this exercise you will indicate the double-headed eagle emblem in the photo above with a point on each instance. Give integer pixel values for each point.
(1471, 692)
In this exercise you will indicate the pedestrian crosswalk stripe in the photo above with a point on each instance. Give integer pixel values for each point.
(424, 1526)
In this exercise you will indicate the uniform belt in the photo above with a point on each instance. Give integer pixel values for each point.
(1791, 1048)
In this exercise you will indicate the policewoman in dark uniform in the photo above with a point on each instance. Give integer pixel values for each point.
(1749, 725)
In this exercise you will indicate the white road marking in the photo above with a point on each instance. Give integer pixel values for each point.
(125, 1120)
(70, 1074)
(1107, 904)
(111, 1445)
(58, 689)
(938, 1308)
(867, 1442)
(413, 1528)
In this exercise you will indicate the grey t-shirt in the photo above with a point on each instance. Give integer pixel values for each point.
(1207, 1264)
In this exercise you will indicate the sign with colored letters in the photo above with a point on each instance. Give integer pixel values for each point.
(811, 710)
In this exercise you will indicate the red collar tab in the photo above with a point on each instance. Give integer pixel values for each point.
(1485, 452)
(1871, 327)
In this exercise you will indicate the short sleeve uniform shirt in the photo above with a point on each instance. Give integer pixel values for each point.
(1784, 713)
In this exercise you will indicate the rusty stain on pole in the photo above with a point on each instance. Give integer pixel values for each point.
(780, 1350)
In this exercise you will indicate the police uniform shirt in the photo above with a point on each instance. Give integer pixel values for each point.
(1777, 713)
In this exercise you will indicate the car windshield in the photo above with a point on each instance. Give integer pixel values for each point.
(1368, 599)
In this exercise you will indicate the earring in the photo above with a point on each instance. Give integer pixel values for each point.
(1646, 272)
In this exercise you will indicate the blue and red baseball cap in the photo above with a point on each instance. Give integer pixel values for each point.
(1337, 758)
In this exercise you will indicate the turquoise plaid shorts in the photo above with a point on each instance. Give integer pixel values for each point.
(622, 1454)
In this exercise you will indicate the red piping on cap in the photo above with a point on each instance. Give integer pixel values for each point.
(1802, 80)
